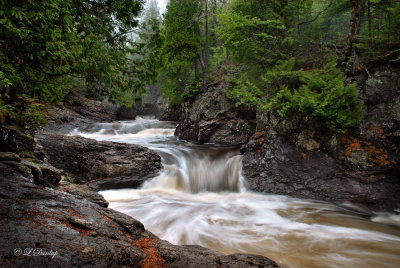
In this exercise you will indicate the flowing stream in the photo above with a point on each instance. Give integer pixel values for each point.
(200, 198)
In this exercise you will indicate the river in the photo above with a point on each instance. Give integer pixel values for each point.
(200, 198)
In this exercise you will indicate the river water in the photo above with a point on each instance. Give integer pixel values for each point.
(200, 198)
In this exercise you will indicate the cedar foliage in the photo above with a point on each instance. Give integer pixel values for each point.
(49, 47)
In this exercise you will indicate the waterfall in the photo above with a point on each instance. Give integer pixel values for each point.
(199, 198)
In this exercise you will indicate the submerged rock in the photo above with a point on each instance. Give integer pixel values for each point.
(102, 165)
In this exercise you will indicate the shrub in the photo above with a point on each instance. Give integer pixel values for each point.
(322, 93)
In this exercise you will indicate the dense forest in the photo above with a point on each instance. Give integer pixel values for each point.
(289, 56)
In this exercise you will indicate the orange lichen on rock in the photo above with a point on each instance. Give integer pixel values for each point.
(33, 215)
(146, 245)
(106, 218)
(260, 140)
(84, 232)
(153, 259)
(374, 155)
(354, 146)
(74, 213)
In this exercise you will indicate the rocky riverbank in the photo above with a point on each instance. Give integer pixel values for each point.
(299, 156)
(100, 165)
(52, 215)
(43, 227)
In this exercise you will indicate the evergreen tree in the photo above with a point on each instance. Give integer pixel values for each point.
(181, 48)
(45, 45)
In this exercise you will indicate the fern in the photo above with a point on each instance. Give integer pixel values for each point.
(321, 93)
(324, 95)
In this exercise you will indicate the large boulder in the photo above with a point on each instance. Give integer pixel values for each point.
(103, 165)
(124, 113)
(42, 227)
(14, 140)
(101, 111)
(299, 156)
(213, 118)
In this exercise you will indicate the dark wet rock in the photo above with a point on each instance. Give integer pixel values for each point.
(77, 111)
(77, 232)
(171, 114)
(81, 191)
(96, 110)
(124, 113)
(38, 171)
(153, 103)
(245, 260)
(196, 256)
(104, 165)
(280, 168)
(119, 182)
(298, 156)
(63, 120)
(187, 130)
(8, 156)
(213, 118)
(24, 170)
(14, 140)
(43, 173)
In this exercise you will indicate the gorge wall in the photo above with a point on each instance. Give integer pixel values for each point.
(299, 156)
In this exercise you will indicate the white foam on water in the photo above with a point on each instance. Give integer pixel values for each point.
(200, 198)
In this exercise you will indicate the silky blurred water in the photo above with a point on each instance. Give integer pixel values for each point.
(200, 198)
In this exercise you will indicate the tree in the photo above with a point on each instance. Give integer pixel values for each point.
(44, 45)
(260, 36)
(181, 50)
(260, 32)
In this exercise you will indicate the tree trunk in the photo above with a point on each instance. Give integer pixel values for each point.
(197, 68)
(205, 67)
(369, 23)
(215, 24)
(352, 29)
(361, 19)
(197, 60)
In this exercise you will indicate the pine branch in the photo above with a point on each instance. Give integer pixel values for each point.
(317, 16)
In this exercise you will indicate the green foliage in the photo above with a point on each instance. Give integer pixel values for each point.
(254, 90)
(258, 33)
(181, 48)
(6, 112)
(322, 93)
(32, 116)
(43, 44)
(380, 37)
